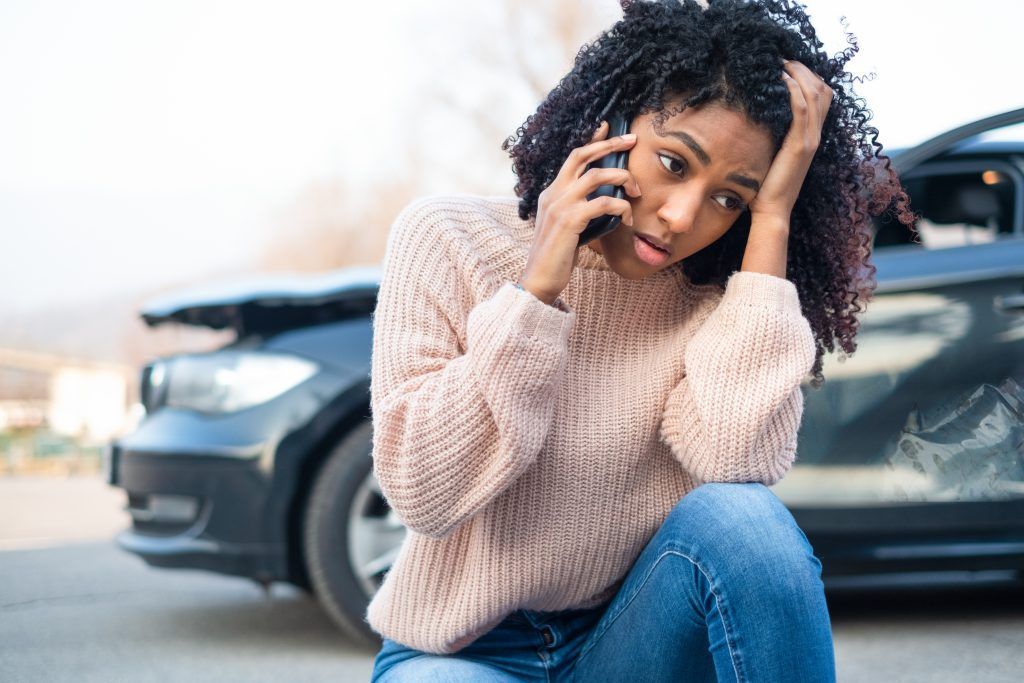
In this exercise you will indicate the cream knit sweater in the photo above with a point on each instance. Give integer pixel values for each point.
(532, 450)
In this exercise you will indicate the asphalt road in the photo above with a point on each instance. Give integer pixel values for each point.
(73, 607)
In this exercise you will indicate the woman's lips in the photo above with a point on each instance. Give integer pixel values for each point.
(655, 242)
(648, 253)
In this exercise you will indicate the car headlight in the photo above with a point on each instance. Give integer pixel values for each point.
(223, 381)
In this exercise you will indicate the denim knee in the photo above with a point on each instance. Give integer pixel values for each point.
(740, 525)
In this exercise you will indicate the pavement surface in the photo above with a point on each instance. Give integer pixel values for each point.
(74, 607)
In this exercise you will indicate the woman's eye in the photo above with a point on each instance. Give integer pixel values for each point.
(731, 203)
(734, 205)
(672, 160)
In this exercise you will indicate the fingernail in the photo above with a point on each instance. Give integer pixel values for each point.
(629, 136)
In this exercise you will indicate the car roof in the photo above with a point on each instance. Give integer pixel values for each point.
(971, 146)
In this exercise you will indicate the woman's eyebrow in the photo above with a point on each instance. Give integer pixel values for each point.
(691, 143)
(703, 157)
(745, 181)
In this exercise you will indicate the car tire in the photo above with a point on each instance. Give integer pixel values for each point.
(325, 535)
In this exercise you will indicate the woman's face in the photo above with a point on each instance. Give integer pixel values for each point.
(695, 182)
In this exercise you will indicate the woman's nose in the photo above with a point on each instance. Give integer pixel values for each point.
(679, 212)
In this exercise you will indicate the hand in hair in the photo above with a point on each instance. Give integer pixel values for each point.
(810, 99)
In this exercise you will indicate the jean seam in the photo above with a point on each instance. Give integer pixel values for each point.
(532, 623)
(718, 606)
(529, 619)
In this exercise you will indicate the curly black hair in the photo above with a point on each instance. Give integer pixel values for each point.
(667, 55)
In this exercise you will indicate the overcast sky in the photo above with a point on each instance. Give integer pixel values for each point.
(144, 141)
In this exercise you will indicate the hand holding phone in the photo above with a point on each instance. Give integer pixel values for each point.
(587, 196)
(617, 159)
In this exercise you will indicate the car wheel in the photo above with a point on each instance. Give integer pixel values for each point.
(350, 534)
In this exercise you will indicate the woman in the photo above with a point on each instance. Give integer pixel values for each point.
(580, 439)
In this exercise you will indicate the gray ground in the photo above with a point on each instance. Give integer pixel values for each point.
(73, 607)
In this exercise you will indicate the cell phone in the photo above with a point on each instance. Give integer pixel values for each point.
(602, 225)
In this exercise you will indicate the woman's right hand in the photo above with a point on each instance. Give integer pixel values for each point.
(563, 212)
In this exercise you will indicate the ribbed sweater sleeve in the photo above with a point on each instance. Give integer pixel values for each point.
(735, 415)
(453, 427)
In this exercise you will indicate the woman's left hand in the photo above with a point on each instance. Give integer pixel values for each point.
(810, 99)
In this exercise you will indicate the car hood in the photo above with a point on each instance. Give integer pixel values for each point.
(269, 303)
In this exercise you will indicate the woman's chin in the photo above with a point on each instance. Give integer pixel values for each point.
(623, 259)
(629, 266)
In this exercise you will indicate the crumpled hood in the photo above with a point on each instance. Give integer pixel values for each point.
(271, 302)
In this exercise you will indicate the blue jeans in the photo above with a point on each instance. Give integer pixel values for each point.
(727, 589)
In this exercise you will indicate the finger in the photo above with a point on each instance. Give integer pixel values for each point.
(798, 103)
(818, 98)
(576, 163)
(801, 73)
(601, 206)
(600, 132)
(816, 92)
(595, 177)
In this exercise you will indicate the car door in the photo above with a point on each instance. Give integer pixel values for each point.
(913, 449)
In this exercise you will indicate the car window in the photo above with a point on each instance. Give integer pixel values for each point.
(960, 203)
(971, 193)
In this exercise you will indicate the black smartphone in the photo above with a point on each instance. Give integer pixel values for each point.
(617, 125)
